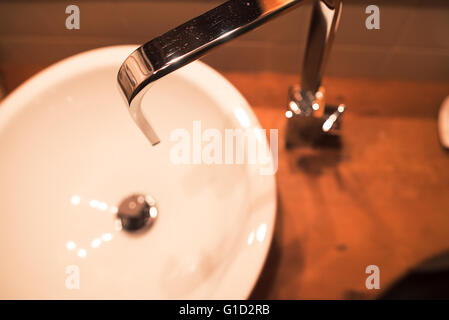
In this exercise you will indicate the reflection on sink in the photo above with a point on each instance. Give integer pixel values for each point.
(71, 153)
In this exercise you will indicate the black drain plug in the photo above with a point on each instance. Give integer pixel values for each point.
(137, 212)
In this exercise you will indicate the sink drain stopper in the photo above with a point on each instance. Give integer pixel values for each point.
(137, 212)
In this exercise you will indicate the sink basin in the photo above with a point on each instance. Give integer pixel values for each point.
(70, 153)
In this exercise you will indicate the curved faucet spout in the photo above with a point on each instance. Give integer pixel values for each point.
(193, 39)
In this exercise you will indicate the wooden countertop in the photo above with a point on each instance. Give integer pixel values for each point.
(382, 198)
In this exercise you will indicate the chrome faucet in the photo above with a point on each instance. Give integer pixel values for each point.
(193, 39)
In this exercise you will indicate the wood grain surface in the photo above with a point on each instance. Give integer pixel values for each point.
(380, 198)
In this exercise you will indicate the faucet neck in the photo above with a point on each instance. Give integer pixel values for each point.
(196, 37)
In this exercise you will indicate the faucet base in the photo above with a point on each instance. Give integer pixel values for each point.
(308, 130)
(310, 120)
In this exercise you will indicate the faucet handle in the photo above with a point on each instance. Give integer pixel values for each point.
(333, 115)
(310, 119)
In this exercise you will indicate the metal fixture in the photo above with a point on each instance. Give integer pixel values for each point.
(137, 212)
(190, 41)
(312, 120)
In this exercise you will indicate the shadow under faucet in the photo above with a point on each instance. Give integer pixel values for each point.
(195, 38)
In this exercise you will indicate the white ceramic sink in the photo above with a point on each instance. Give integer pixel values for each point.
(70, 152)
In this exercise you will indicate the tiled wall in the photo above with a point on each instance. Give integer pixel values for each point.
(413, 42)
